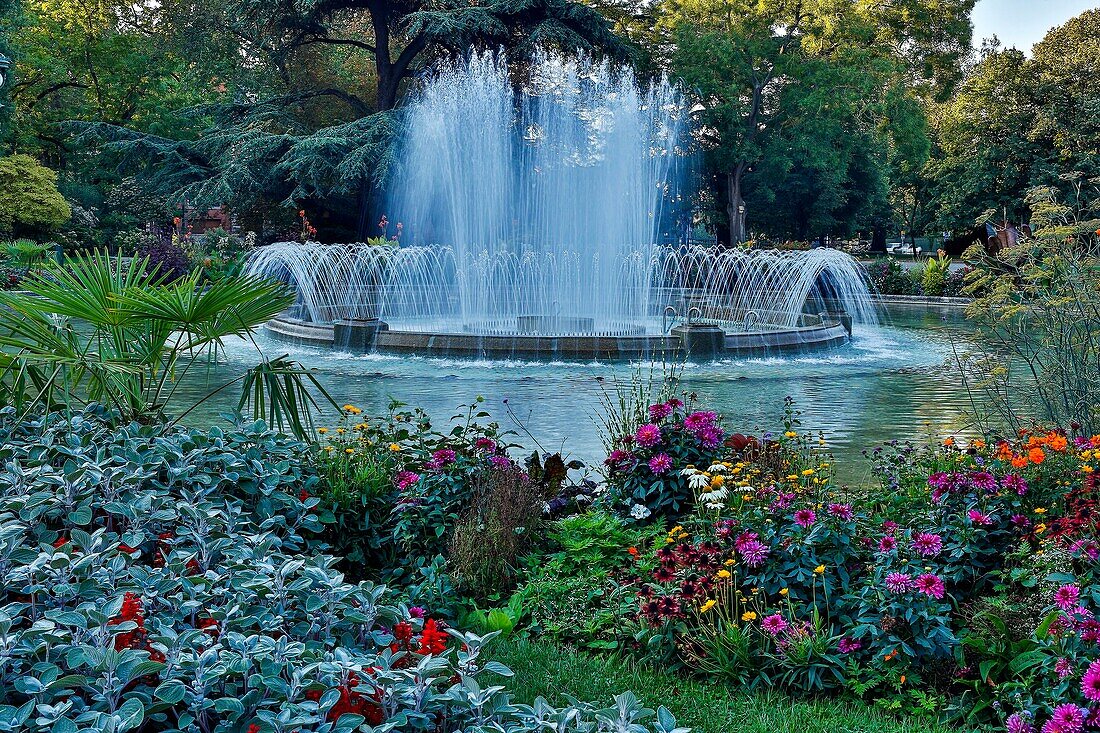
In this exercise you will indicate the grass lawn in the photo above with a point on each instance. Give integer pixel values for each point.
(551, 671)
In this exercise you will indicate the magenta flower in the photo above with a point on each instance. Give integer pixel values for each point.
(405, 479)
(754, 553)
(1019, 723)
(417, 612)
(709, 437)
(931, 585)
(1012, 482)
(847, 646)
(1063, 667)
(1067, 718)
(1067, 596)
(842, 511)
(927, 544)
(774, 624)
(805, 517)
(889, 527)
(699, 420)
(898, 583)
(1090, 683)
(984, 481)
(660, 411)
(648, 435)
(660, 464)
(486, 445)
(443, 456)
(978, 518)
(500, 461)
(887, 544)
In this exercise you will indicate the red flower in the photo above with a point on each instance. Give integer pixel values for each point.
(432, 639)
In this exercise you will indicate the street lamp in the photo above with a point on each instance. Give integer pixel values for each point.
(5, 64)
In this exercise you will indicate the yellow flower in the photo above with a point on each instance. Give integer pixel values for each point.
(808, 472)
(784, 591)
(1040, 510)
(1087, 468)
(329, 449)
(790, 434)
(349, 451)
(792, 477)
(748, 616)
(322, 431)
(819, 570)
(730, 562)
(1040, 528)
(395, 447)
(717, 481)
(340, 431)
(723, 574)
(707, 606)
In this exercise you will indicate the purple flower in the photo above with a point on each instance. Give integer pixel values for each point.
(1090, 683)
(1064, 668)
(847, 646)
(660, 464)
(898, 583)
(927, 544)
(417, 612)
(660, 411)
(842, 511)
(889, 527)
(405, 479)
(774, 624)
(1018, 723)
(648, 435)
(500, 461)
(887, 544)
(984, 481)
(699, 420)
(443, 456)
(754, 553)
(978, 518)
(805, 517)
(485, 445)
(710, 436)
(743, 539)
(1067, 596)
(1067, 718)
(1012, 482)
(619, 460)
(930, 585)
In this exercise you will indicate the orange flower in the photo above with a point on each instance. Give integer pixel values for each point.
(633, 551)
(890, 656)
(1036, 455)
(1020, 461)
(949, 442)
(1057, 442)
(903, 679)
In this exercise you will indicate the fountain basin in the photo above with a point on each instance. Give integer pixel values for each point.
(681, 342)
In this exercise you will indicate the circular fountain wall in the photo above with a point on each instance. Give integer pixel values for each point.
(552, 200)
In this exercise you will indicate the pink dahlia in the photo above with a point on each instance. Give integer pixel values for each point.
(1019, 723)
(927, 544)
(887, 544)
(931, 585)
(1090, 683)
(805, 517)
(1067, 718)
(842, 511)
(847, 646)
(660, 464)
(1067, 596)
(774, 624)
(898, 583)
(660, 411)
(978, 518)
(648, 435)
(754, 553)
(405, 479)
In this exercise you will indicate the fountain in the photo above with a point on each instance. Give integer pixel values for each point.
(536, 223)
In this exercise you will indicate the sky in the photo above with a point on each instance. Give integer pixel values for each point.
(1021, 23)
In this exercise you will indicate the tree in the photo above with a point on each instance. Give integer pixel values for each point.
(297, 128)
(29, 199)
(781, 84)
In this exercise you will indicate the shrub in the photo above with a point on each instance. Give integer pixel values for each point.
(153, 581)
(29, 199)
(166, 257)
(890, 278)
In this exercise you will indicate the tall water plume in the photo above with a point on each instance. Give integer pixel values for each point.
(551, 198)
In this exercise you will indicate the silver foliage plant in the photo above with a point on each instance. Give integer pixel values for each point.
(232, 623)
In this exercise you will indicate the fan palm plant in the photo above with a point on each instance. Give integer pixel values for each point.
(115, 331)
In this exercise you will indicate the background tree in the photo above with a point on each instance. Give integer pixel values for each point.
(30, 203)
(784, 87)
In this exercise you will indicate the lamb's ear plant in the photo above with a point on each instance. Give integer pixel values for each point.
(115, 331)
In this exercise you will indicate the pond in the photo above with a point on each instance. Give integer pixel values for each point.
(894, 380)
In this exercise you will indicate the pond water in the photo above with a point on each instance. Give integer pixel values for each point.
(894, 380)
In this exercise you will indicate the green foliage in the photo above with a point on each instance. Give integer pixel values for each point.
(112, 331)
(153, 579)
(1040, 306)
(29, 199)
(25, 254)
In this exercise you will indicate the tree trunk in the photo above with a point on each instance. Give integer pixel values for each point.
(735, 206)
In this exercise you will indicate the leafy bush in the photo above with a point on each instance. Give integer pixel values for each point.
(29, 199)
(890, 278)
(165, 255)
(164, 581)
(644, 470)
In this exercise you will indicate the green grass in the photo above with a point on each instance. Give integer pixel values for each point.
(545, 669)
